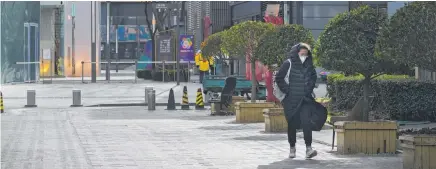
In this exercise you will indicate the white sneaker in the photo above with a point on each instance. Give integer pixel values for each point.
(292, 152)
(310, 153)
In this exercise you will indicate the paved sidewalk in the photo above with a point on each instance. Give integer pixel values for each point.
(133, 137)
(60, 95)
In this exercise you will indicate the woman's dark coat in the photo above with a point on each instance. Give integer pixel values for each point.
(302, 79)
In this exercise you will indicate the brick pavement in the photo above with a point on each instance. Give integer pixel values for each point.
(133, 137)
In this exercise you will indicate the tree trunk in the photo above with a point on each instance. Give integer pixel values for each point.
(153, 51)
(253, 80)
(366, 104)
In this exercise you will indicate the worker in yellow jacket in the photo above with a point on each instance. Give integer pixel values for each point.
(198, 58)
(212, 65)
(204, 68)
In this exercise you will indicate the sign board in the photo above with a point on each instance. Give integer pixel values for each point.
(165, 48)
(186, 47)
(46, 54)
(165, 6)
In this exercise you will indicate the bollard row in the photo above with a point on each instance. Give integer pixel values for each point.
(150, 99)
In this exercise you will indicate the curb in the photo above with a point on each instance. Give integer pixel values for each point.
(137, 104)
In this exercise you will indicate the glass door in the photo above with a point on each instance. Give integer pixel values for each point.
(31, 52)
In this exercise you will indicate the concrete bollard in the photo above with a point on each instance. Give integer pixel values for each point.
(31, 98)
(77, 98)
(152, 100)
(147, 88)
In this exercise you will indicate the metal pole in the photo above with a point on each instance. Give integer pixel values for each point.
(77, 98)
(73, 51)
(93, 44)
(147, 89)
(177, 40)
(163, 71)
(116, 47)
(136, 70)
(137, 40)
(82, 72)
(107, 51)
(31, 98)
(151, 100)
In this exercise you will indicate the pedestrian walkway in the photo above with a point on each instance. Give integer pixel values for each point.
(109, 138)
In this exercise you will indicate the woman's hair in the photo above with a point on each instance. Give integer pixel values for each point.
(304, 46)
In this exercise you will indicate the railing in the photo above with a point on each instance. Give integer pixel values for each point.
(163, 66)
(38, 65)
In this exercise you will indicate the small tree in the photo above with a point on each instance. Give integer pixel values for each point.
(159, 23)
(242, 39)
(275, 45)
(213, 46)
(410, 36)
(348, 44)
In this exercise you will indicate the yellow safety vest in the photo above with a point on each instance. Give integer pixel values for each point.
(211, 60)
(204, 66)
(197, 59)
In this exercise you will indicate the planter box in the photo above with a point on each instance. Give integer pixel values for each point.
(236, 99)
(366, 137)
(275, 120)
(247, 112)
(419, 151)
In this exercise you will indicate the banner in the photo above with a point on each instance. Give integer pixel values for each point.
(186, 47)
(126, 33)
(165, 48)
(146, 56)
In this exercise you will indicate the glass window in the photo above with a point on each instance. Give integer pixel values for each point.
(323, 11)
(315, 23)
(344, 3)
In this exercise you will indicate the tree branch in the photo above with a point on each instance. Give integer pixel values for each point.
(150, 30)
(377, 75)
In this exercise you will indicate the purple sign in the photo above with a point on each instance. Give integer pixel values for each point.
(186, 47)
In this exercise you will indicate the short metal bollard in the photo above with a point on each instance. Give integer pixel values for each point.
(77, 98)
(152, 100)
(147, 88)
(31, 98)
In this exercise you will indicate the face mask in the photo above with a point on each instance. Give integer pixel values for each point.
(303, 58)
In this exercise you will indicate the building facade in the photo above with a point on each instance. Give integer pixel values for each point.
(19, 41)
(313, 15)
(217, 13)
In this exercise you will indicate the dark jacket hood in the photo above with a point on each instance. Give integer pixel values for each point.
(293, 54)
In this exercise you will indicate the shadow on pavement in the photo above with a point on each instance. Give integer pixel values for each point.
(222, 128)
(272, 137)
(338, 162)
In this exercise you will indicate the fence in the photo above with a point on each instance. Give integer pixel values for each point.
(131, 74)
(123, 75)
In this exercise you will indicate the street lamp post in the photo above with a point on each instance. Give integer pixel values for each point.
(177, 40)
(107, 51)
(73, 27)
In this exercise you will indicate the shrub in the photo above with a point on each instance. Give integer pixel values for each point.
(140, 73)
(148, 75)
(398, 97)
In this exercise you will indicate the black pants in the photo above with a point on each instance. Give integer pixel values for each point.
(212, 70)
(301, 118)
(202, 73)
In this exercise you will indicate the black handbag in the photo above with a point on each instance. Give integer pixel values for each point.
(318, 116)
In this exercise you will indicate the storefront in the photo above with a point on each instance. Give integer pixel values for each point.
(20, 26)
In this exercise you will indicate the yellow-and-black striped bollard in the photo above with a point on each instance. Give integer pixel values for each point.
(199, 104)
(2, 109)
(185, 102)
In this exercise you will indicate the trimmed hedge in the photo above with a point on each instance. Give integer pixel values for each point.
(397, 97)
(144, 74)
(170, 76)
